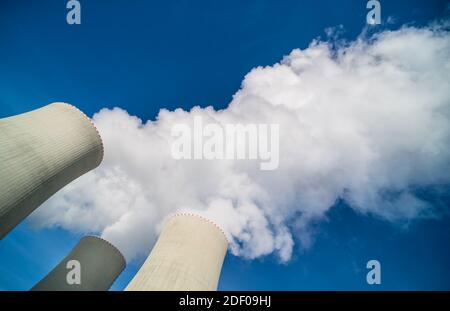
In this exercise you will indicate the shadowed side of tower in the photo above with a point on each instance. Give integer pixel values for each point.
(40, 152)
(188, 256)
(99, 264)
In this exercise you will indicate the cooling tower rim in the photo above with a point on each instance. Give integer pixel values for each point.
(88, 119)
(107, 242)
(204, 219)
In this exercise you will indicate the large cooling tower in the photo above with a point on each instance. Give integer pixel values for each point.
(40, 152)
(99, 264)
(188, 256)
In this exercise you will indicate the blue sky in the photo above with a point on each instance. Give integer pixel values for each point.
(148, 55)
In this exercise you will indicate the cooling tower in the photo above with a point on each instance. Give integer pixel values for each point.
(188, 256)
(99, 264)
(40, 152)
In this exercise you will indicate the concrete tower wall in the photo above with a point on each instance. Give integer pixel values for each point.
(40, 152)
(100, 265)
(188, 256)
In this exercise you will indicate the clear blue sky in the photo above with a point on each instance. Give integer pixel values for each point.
(147, 55)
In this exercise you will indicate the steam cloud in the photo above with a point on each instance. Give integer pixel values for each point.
(364, 121)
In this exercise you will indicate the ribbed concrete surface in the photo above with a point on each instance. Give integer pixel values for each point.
(100, 262)
(40, 152)
(188, 256)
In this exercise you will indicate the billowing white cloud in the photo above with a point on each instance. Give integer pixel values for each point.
(367, 122)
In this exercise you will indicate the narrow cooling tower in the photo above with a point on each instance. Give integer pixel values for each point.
(98, 262)
(188, 256)
(40, 152)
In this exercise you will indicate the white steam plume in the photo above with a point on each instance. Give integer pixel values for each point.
(366, 122)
